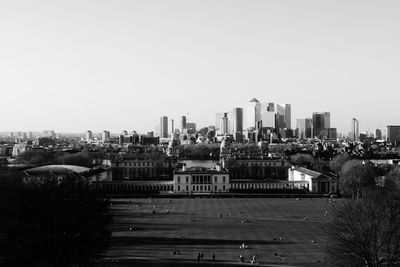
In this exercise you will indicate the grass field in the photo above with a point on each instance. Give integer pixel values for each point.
(274, 226)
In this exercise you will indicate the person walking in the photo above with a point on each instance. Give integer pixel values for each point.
(213, 257)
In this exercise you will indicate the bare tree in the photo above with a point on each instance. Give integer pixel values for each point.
(366, 231)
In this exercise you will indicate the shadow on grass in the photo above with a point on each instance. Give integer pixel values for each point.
(127, 240)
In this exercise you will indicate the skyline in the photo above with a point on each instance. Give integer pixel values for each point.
(79, 66)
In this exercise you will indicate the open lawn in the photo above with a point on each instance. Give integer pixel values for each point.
(217, 225)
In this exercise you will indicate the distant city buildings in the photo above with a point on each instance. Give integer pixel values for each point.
(105, 136)
(164, 127)
(378, 134)
(49, 133)
(304, 128)
(253, 113)
(355, 134)
(321, 122)
(393, 134)
(237, 120)
(89, 136)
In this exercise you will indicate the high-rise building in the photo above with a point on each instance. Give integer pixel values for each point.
(253, 113)
(164, 127)
(355, 134)
(218, 118)
(268, 115)
(280, 116)
(378, 134)
(172, 126)
(89, 136)
(393, 134)
(321, 122)
(30, 135)
(124, 132)
(304, 128)
(105, 136)
(183, 125)
(288, 116)
(224, 127)
(237, 120)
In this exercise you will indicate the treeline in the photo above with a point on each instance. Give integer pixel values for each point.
(43, 157)
(51, 225)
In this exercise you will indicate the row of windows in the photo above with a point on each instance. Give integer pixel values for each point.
(263, 163)
(201, 179)
(201, 188)
(143, 164)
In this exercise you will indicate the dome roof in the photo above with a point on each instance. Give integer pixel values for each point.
(58, 169)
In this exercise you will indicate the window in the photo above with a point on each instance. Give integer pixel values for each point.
(187, 188)
(187, 179)
(215, 179)
(179, 179)
(223, 187)
(223, 179)
(201, 187)
(179, 188)
(303, 177)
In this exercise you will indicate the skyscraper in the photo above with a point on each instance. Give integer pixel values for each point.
(237, 120)
(321, 122)
(164, 127)
(183, 125)
(89, 136)
(253, 113)
(378, 134)
(288, 116)
(218, 118)
(355, 135)
(268, 115)
(105, 136)
(280, 117)
(304, 128)
(393, 134)
(224, 127)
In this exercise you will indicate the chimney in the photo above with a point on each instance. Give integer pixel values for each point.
(184, 167)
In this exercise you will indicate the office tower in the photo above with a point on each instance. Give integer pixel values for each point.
(105, 136)
(230, 122)
(30, 135)
(268, 115)
(253, 113)
(24, 136)
(124, 132)
(89, 136)
(183, 124)
(172, 126)
(321, 122)
(164, 127)
(378, 134)
(280, 117)
(288, 116)
(224, 124)
(304, 128)
(331, 133)
(218, 118)
(355, 135)
(237, 120)
(393, 134)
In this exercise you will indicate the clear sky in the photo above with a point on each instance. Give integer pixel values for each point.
(77, 65)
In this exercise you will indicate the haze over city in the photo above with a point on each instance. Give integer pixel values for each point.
(78, 65)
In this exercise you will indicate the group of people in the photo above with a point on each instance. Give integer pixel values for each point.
(243, 260)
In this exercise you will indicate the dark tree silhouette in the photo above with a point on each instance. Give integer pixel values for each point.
(366, 231)
(52, 225)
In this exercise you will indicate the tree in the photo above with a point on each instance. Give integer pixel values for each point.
(337, 162)
(366, 232)
(304, 160)
(53, 225)
(357, 178)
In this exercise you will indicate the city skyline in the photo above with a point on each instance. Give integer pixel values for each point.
(76, 66)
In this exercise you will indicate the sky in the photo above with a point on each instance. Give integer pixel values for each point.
(116, 65)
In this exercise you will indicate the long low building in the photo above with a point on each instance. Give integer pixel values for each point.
(316, 182)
